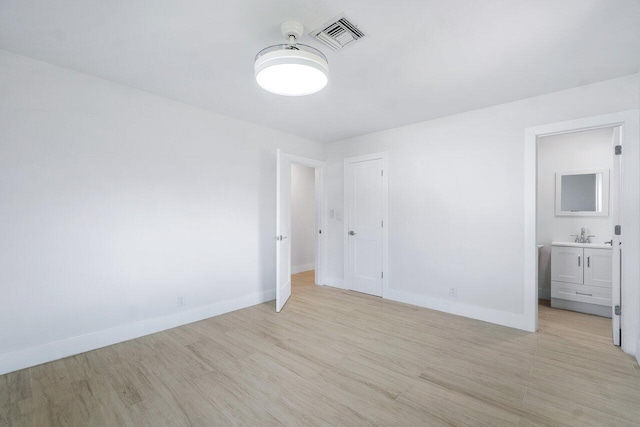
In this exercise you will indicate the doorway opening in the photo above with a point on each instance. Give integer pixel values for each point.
(578, 206)
(624, 186)
(303, 227)
(299, 224)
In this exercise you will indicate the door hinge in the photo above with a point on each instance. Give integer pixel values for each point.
(381, 223)
(618, 150)
(618, 230)
(319, 231)
(382, 172)
(617, 310)
(382, 275)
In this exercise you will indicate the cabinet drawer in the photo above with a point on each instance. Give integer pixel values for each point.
(581, 293)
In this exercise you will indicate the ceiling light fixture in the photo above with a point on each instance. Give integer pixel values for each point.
(291, 69)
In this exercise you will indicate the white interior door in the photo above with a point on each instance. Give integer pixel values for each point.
(283, 231)
(616, 242)
(365, 216)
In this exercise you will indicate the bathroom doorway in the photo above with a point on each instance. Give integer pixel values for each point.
(595, 282)
(575, 227)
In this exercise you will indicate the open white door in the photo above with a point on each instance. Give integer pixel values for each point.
(364, 180)
(283, 228)
(616, 241)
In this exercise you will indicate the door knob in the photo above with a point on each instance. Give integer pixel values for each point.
(352, 233)
(610, 242)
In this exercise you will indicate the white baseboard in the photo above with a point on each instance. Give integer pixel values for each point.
(334, 282)
(44, 353)
(544, 294)
(302, 268)
(504, 318)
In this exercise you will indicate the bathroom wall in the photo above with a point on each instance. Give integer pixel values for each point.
(577, 151)
(303, 218)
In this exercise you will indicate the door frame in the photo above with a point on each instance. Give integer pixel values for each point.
(320, 239)
(385, 216)
(629, 121)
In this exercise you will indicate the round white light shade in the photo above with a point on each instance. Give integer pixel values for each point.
(291, 71)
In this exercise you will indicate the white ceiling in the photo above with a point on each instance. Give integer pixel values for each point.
(422, 58)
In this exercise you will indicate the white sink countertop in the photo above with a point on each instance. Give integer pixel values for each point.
(582, 245)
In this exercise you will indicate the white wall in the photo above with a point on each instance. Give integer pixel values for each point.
(334, 220)
(114, 202)
(456, 203)
(638, 326)
(303, 218)
(576, 151)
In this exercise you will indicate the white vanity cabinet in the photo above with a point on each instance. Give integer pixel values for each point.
(581, 277)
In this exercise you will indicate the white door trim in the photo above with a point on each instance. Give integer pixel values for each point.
(385, 217)
(320, 239)
(630, 123)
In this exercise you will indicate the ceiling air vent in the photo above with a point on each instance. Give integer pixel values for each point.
(338, 33)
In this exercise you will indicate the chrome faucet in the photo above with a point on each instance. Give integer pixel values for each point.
(583, 237)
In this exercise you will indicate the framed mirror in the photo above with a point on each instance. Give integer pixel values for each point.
(582, 193)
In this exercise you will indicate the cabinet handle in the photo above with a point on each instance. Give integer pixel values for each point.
(582, 293)
(578, 260)
(589, 262)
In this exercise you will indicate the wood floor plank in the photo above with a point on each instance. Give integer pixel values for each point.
(335, 357)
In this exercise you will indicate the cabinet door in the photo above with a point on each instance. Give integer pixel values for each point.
(597, 268)
(567, 264)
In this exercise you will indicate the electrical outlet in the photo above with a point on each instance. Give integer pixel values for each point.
(182, 300)
(453, 292)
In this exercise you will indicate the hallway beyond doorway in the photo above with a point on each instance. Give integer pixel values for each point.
(303, 280)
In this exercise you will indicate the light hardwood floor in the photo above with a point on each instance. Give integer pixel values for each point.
(335, 357)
